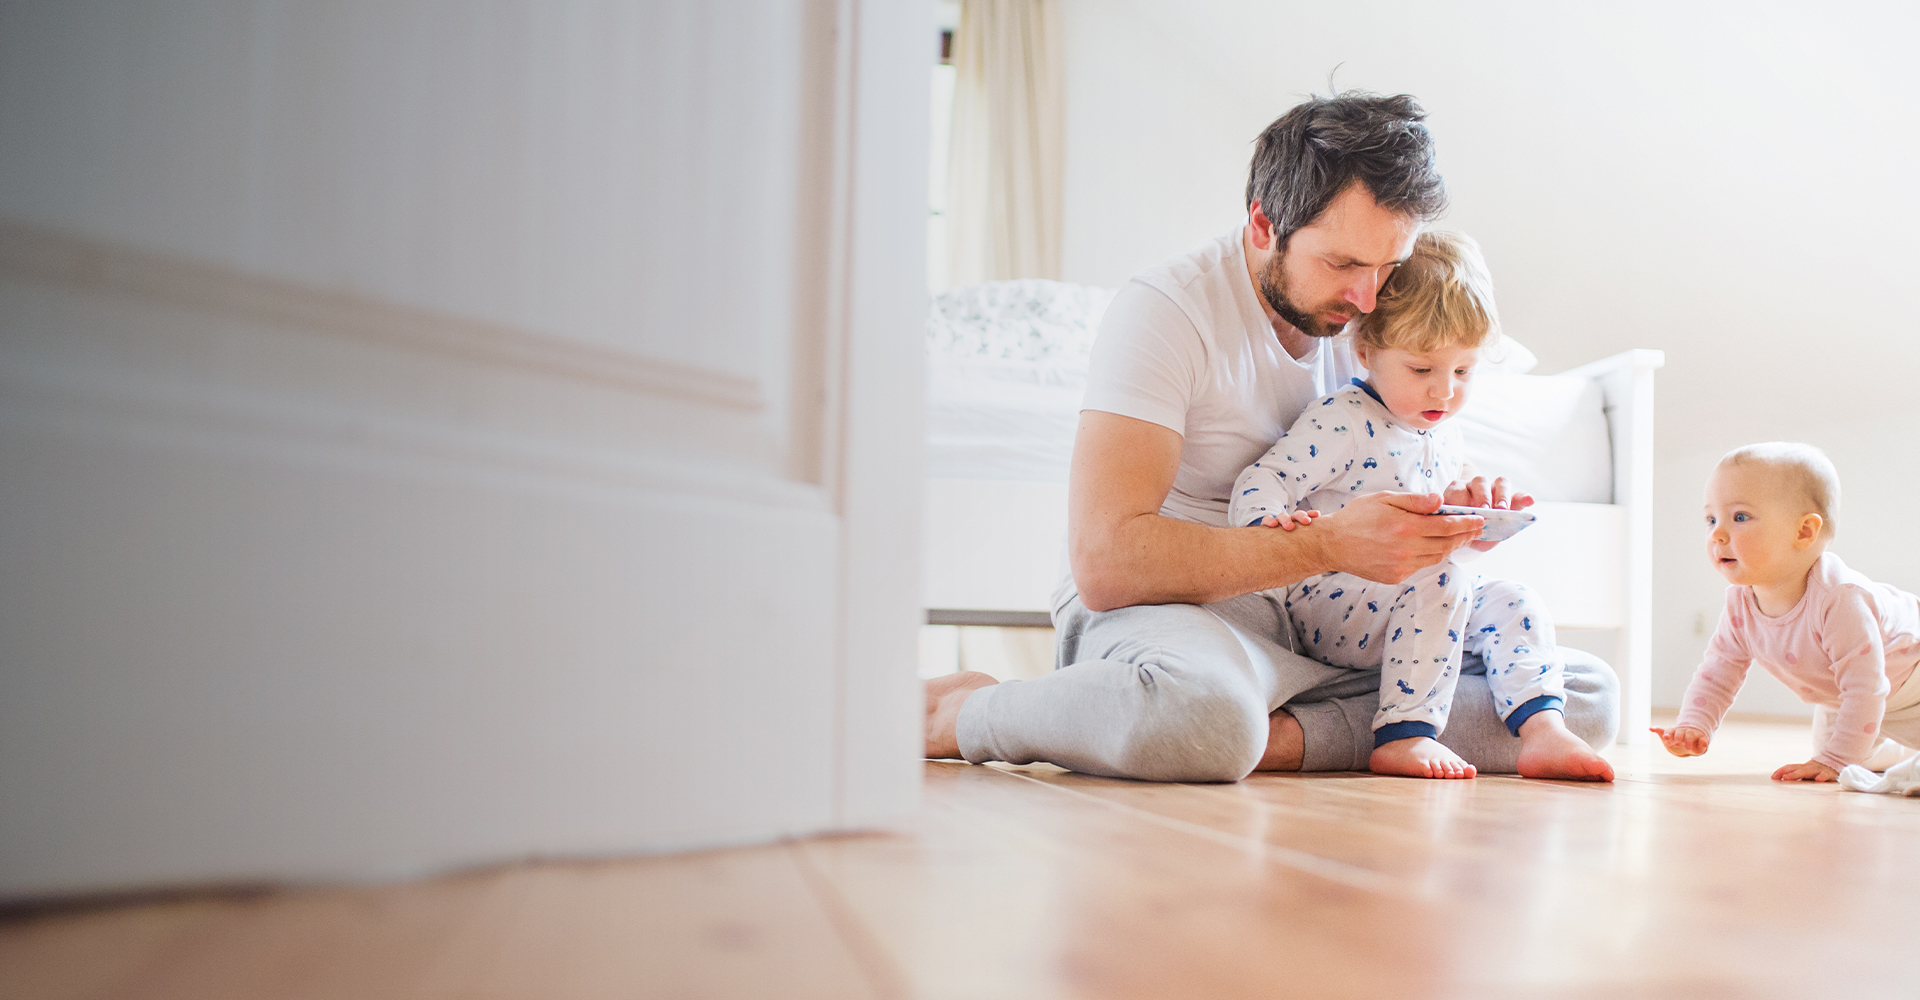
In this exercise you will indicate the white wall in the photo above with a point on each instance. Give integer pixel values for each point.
(1731, 183)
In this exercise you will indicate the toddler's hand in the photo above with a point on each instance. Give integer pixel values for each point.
(1297, 519)
(1478, 492)
(1812, 770)
(1685, 741)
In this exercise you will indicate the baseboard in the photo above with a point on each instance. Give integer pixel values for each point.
(999, 619)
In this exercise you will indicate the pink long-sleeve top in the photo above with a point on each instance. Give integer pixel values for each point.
(1846, 645)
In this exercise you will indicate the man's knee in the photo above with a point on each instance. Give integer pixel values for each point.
(1197, 727)
(1194, 708)
(1593, 697)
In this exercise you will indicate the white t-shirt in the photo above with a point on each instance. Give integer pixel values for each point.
(1186, 345)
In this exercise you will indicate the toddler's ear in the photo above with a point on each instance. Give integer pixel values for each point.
(1809, 531)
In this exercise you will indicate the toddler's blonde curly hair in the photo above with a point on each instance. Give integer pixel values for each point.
(1442, 296)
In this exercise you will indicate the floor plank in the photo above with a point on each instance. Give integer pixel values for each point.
(1677, 877)
(716, 924)
(738, 923)
(1695, 877)
(998, 891)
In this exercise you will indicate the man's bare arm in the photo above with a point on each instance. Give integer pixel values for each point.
(1124, 552)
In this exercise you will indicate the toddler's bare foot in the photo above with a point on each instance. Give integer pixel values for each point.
(1549, 750)
(1418, 757)
(945, 695)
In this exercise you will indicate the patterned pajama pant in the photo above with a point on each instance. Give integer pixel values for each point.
(1415, 631)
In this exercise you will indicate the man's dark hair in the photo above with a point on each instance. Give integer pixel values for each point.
(1311, 153)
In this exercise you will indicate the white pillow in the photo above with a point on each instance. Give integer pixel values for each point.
(1507, 355)
(1546, 433)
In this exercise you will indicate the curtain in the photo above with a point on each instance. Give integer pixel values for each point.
(1005, 175)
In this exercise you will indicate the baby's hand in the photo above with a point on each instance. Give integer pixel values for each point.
(1685, 741)
(1812, 770)
(1297, 519)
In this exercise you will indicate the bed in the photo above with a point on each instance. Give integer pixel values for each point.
(1006, 366)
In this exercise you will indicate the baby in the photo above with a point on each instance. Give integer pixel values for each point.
(1837, 639)
(1420, 346)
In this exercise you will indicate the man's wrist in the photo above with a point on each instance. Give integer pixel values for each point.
(1301, 553)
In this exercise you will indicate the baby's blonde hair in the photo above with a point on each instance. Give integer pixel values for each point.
(1442, 296)
(1803, 468)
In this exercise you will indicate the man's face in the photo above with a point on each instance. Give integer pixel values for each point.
(1330, 271)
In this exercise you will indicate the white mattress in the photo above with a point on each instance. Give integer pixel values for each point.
(990, 422)
(1010, 421)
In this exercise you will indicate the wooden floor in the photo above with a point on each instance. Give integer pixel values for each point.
(1693, 879)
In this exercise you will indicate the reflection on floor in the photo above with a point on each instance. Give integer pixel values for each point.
(1696, 878)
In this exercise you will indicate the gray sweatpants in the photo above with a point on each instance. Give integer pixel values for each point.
(1181, 692)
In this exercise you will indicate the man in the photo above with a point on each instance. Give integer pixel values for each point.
(1179, 665)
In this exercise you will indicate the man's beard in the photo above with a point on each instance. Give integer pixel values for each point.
(1273, 286)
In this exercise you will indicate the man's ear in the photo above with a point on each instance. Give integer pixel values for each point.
(1809, 531)
(1262, 226)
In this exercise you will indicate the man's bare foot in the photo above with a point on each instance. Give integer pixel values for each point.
(1418, 757)
(1549, 750)
(945, 695)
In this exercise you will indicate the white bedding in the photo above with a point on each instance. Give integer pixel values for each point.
(982, 426)
(1007, 366)
(1545, 433)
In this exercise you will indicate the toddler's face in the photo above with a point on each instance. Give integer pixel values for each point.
(1422, 389)
(1751, 526)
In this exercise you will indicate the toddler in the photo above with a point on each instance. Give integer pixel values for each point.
(1419, 346)
(1837, 639)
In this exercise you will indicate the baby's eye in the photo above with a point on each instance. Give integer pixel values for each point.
(1739, 517)
(1421, 371)
(1710, 521)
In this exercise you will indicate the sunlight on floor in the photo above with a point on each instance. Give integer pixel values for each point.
(1742, 746)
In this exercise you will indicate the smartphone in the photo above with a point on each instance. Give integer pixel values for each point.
(1501, 524)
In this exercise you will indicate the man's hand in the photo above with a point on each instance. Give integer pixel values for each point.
(1812, 770)
(1385, 537)
(1684, 741)
(1477, 492)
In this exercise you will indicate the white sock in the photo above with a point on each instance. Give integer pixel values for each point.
(1901, 779)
